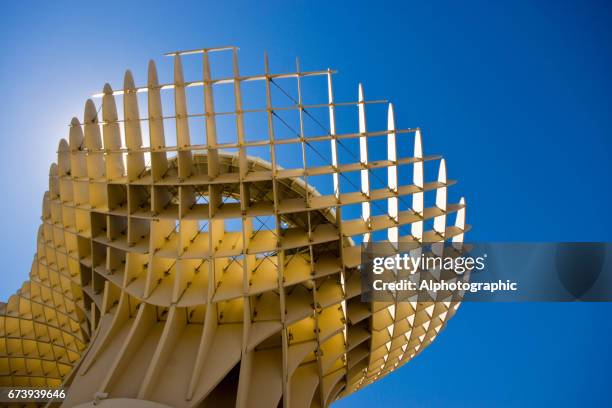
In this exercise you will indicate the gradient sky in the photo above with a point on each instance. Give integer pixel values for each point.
(515, 96)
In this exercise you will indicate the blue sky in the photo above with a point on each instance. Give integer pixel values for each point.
(515, 96)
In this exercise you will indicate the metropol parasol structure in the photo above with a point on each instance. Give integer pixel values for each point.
(173, 271)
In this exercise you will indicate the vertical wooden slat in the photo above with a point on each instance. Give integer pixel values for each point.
(133, 134)
(157, 140)
(182, 122)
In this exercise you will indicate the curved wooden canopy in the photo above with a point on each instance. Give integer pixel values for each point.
(182, 276)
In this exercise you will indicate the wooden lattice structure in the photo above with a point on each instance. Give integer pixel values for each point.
(187, 276)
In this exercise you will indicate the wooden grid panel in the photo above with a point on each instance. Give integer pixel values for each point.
(42, 327)
(214, 276)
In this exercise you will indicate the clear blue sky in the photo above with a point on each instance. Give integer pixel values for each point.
(516, 96)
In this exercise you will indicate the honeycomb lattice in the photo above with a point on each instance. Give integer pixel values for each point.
(186, 275)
